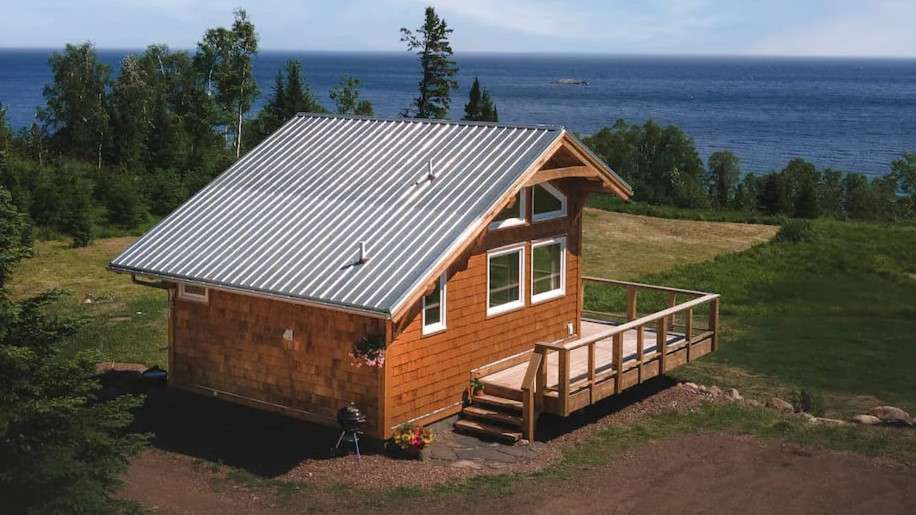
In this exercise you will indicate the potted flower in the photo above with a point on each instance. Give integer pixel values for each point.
(476, 387)
(409, 439)
(368, 351)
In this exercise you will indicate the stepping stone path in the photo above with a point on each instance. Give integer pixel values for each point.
(461, 451)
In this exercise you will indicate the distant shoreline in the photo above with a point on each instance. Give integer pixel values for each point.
(847, 113)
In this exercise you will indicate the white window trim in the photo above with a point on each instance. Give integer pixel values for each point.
(552, 294)
(440, 325)
(186, 295)
(550, 215)
(512, 222)
(516, 304)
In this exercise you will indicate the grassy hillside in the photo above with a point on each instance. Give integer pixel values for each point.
(835, 315)
(125, 322)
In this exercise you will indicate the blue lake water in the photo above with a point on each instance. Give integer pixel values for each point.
(849, 114)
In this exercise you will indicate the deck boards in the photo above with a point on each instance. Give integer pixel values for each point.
(512, 377)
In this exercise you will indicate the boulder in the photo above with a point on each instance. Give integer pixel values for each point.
(715, 391)
(891, 415)
(780, 405)
(866, 420)
(823, 421)
(733, 394)
(807, 417)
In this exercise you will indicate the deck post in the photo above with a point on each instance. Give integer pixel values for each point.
(591, 373)
(563, 376)
(618, 362)
(631, 302)
(640, 348)
(541, 380)
(661, 343)
(714, 322)
(672, 301)
(688, 332)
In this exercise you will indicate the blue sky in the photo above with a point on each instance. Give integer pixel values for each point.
(773, 27)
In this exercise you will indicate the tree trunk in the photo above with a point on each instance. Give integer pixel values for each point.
(238, 135)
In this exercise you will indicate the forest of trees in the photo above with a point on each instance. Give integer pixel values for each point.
(664, 168)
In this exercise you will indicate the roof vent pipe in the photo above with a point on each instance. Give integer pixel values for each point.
(429, 170)
(363, 256)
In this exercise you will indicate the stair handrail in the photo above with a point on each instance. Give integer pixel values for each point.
(532, 393)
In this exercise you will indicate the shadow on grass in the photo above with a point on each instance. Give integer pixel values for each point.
(552, 426)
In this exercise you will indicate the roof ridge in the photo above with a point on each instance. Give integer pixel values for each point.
(548, 127)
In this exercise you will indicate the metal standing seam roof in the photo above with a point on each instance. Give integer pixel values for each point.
(286, 220)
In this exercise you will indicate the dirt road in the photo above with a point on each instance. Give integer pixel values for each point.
(693, 474)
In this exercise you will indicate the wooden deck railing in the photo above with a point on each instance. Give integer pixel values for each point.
(534, 385)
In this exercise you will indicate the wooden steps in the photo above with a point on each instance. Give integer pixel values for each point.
(492, 416)
(488, 430)
(495, 416)
(508, 405)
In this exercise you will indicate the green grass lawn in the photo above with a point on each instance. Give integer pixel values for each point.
(836, 316)
(125, 322)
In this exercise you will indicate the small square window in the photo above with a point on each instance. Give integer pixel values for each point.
(548, 269)
(511, 215)
(547, 202)
(434, 308)
(193, 292)
(505, 288)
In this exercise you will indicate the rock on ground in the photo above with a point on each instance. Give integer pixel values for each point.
(866, 420)
(891, 415)
(780, 405)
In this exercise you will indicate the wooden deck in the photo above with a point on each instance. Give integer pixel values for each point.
(605, 358)
(511, 378)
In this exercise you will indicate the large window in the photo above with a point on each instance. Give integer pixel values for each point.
(511, 215)
(193, 292)
(434, 308)
(547, 202)
(505, 288)
(548, 269)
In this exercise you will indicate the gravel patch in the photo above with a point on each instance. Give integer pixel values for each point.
(455, 456)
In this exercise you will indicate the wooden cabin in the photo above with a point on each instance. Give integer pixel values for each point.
(456, 246)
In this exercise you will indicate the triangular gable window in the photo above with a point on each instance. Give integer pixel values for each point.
(547, 202)
(511, 215)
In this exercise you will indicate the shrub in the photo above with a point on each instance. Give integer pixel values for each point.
(163, 190)
(805, 401)
(795, 230)
(122, 199)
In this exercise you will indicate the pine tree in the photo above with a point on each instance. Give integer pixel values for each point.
(298, 96)
(480, 107)
(346, 98)
(291, 95)
(6, 134)
(724, 174)
(62, 450)
(431, 44)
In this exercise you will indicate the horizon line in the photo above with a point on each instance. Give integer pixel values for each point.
(500, 52)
